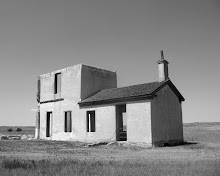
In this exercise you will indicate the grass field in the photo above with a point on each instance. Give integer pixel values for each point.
(200, 156)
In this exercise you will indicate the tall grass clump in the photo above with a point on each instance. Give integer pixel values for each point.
(16, 163)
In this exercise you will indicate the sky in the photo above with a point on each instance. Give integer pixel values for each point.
(126, 36)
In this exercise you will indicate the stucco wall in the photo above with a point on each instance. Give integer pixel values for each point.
(105, 124)
(104, 121)
(58, 109)
(47, 87)
(166, 119)
(139, 122)
(73, 81)
(70, 84)
(70, 92)
(94, 80)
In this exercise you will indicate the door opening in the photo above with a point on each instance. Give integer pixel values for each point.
(121, 123)
(48, 124)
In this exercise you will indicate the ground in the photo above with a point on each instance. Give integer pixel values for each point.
(199, 156)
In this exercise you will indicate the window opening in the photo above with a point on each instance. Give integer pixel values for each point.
(68, 122)
(48, 124)
(90, 121)
(57, 85)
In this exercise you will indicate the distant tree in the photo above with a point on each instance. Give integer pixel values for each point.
(18, 129)
(10, 130)
(4, 138)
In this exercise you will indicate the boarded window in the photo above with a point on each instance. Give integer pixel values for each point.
(90, 121)
(57, 84)
(68, 122)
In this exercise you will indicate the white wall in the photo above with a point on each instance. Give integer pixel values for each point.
(104, 120)
(75, 83)
(139, 122)
(167, 124)
(105, 124)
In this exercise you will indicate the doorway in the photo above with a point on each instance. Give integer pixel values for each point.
(49, 124)
(121, 123)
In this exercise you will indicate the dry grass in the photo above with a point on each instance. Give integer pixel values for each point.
(207, 132)
(72, 158)
(77, 167)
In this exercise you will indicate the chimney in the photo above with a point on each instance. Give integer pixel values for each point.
(163, 68)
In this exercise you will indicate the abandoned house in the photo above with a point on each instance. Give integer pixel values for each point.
(83, 103)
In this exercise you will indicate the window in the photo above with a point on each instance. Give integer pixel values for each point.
(68, 122)
(124, 121)
(57, 84)
(90, 121)
(48, 124)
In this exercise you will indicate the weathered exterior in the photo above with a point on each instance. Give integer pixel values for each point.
(76, 83)
(163, 70)
(167, 126)
(94, 80)
(37, 124)
(139, 122)
(150, 113)
(105, 125)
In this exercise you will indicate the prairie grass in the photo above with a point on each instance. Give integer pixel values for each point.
(200, 157)
(77, 167)
(206, 132)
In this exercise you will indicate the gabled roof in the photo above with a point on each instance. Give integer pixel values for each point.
(113, 95)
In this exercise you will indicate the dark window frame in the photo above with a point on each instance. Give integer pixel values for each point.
(91, 123)
(56, 82)
(48, 123)
(67, 126)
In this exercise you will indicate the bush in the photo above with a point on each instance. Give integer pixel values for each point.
(18, 129)
(10, 130)
(4, 138)
(16, 163)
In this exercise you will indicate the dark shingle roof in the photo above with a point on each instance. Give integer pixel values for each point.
(140, 90)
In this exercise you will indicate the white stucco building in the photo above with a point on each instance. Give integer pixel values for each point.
(83, 103)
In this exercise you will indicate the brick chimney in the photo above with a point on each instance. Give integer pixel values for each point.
(163, 68)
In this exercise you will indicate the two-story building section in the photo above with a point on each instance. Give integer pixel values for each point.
(83, 103)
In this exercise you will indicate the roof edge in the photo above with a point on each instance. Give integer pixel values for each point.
(59, 70)
(173, 87)
(98, 69)
(116, 100)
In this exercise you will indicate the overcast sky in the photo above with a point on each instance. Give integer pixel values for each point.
(40, 36)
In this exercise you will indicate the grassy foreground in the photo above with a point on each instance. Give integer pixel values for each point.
(199, 157)
(76, 167)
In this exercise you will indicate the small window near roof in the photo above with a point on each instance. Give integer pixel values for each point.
(57, 83)
(90, 121)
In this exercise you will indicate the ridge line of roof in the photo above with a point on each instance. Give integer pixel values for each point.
(130, 86)
(175, 89)
(163, 83)
(115, 99)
